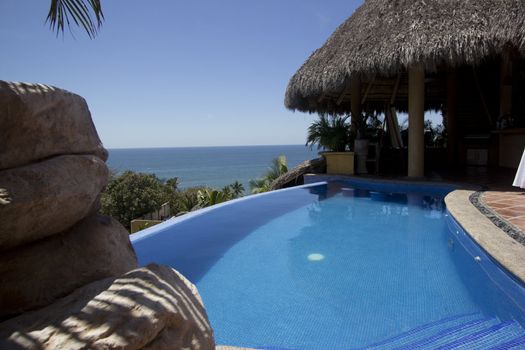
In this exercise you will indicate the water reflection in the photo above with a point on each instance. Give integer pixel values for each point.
(381, 251)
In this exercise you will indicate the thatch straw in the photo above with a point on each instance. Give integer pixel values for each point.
(295, 176)
(384, 37)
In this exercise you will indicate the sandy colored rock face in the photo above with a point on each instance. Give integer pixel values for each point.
(38, 273)
(148, 308)
(39, 121)
(48, 197)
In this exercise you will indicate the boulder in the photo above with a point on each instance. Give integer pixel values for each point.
(153, 307)
(39, 121)
(47, 197)
(38, 273)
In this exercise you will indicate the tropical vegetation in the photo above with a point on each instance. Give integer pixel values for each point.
(277, 168)
(209, 196)
(83, 13)
(332, 133)
(132, 195)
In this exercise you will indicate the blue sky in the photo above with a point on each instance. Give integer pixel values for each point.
(177, 73)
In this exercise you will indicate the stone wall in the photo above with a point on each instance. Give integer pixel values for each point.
(69, 276)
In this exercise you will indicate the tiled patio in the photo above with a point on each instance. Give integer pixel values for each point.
(509, 205)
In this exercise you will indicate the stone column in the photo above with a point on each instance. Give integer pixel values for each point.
(416, 121)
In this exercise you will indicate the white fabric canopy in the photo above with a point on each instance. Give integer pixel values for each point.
(519, 180)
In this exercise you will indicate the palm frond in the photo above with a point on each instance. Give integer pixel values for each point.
(84, 13)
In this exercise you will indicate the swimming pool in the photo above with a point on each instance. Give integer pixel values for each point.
(342, 265)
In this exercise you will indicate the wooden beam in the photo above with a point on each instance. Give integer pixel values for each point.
(363, 100)
(396, 87)
(346, 90)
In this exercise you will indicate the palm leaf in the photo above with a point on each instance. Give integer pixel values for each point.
(84, 13)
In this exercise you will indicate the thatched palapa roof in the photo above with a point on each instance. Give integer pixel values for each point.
(384, 37)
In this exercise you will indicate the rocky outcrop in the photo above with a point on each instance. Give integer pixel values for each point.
(60, 262)
(39, 121)
(47, 197)
(36, 274)
(295, 176)
(148, 308)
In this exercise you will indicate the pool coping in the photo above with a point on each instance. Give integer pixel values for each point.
(497, 243)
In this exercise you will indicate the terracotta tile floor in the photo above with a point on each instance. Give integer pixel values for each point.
(509, 205)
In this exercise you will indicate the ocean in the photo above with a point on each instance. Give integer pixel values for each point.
(207, 166)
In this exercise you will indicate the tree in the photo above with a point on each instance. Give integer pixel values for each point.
(332, 133)
(260, 185)
(234, 190)
(84, 13)
(210, 196)
(184, 201)
(132, 195)
(278, 167)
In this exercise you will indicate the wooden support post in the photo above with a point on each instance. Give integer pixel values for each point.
(505, 106)
(451, 119)
(355, 102)
(346, 90)
(481, 95)
(416, 121)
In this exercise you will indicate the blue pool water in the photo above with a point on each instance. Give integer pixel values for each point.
(342, 266)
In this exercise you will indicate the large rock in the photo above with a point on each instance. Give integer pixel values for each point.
(39, 121)
(149, 308)
(47, 197)
(38, 273)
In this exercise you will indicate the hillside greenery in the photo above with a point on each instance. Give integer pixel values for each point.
(131, 195)
(278, 167)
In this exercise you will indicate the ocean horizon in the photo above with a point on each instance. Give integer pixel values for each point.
(214, 167)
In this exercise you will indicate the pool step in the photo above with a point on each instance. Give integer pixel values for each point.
(462, 332)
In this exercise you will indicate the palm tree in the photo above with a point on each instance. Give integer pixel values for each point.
(260, 185)
(279, 167)
(332, 133)
(237, 189)
(84, 13)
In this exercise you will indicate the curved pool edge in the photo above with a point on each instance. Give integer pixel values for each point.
(498, 244)
(138, 236)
